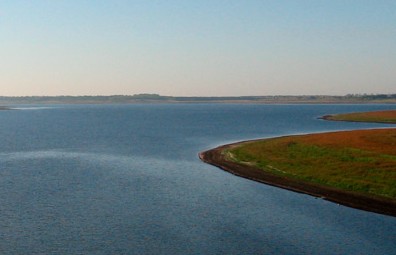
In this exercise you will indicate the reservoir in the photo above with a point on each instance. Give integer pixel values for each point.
(126, 179)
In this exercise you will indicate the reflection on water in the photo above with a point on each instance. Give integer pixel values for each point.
(127, 180)
(32, 108)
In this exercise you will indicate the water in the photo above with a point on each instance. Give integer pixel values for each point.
(126, 179)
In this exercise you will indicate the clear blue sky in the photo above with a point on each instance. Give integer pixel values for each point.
(197, 48)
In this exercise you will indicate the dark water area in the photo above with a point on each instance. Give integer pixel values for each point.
(126, 179)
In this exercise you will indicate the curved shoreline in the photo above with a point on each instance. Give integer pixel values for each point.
(217, 158)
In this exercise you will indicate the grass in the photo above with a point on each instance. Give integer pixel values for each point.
(376, 116)
(361, 161)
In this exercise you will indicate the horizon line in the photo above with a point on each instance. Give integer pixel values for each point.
(221, 96)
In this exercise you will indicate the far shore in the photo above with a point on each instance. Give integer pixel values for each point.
(385, 116)
(158, 99)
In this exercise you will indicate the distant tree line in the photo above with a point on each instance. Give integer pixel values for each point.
(156, 98)
(372, 96)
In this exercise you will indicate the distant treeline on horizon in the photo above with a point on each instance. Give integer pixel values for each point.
(156, 98)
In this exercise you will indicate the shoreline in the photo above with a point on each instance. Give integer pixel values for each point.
(355, 200)
(156, 98)
(330, 118)
(382, 116)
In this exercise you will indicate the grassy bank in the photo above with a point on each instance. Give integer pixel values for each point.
(376, 116)
(354, 168)
(362, 161)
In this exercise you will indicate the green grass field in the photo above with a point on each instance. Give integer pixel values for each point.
(361, 161)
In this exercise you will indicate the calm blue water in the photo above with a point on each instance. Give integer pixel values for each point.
(126, 179)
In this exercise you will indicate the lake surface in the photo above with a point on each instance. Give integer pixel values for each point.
(126, 179)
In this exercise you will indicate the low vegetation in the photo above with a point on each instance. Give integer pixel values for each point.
(362, 161)
(377, 116)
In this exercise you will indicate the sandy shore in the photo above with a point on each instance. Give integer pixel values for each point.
(352, 199)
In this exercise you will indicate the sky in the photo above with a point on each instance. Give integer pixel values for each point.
(197, 47)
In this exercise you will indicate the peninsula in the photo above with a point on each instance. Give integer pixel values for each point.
(353, 168)
(376, 117)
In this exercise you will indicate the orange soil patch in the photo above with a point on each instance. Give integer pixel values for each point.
(382, 114)
(388, 116)
(376, 140)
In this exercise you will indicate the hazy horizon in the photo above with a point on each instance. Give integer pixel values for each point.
(197, 48)
(176, 96)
